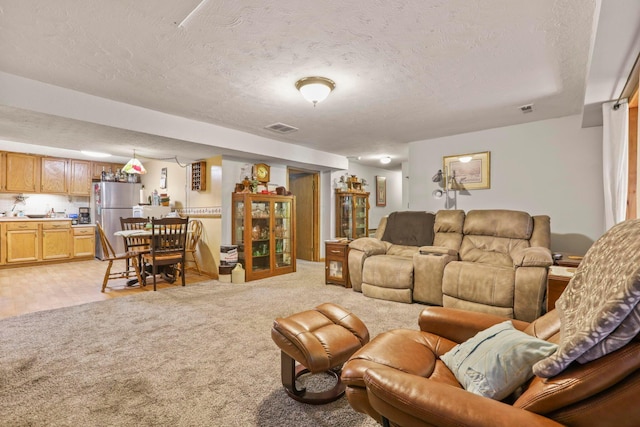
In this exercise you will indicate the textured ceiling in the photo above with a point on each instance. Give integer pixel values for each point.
(404, 70)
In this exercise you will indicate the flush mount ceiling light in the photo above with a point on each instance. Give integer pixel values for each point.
(385, 160)
(95, 154)
(134, 166)
(315, 89)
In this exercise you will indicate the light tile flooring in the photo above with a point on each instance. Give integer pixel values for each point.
(28, 289)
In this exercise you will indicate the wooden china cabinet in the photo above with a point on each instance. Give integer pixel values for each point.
(352, 214)
(264, 228)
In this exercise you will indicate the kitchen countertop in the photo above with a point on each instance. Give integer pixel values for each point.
(24, 218)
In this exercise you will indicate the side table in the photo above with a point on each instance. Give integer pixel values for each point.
(558, 278)
(336, 267)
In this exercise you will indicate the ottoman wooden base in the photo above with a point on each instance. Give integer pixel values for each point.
(292, 371)
(319, 340)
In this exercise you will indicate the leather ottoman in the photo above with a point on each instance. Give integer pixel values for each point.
(320, 340)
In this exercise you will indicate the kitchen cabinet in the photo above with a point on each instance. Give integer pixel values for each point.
(264, 230)
(352, 214)
(22, 173)
(22, 242)
(80, 178)
(3, 168)
(56, 240)
(98, 167)
(84, 242)
(53, 175)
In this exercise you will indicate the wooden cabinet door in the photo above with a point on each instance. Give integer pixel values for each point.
(56, 240)
(3, 171)
(80, 180)
(22, 172)
(22, 242)
(53, 177)
(84, 242)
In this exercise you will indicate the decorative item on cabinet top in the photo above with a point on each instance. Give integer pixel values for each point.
(261, 172)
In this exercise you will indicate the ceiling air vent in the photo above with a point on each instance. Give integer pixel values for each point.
(281, 128)
(527, 108)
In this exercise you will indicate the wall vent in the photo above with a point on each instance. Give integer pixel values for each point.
(281, 128)
(527, 108)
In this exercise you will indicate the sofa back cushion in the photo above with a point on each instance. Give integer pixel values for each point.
(448, 229)
(409, 228)
(491, 236)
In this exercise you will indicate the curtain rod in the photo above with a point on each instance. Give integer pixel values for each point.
(631, 73)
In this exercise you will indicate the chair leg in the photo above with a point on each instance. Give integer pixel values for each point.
(154, 271)
(183, 266)
(195, 261)
(136, 267)
(106, 276)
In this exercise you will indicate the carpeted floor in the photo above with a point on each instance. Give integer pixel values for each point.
(195, 356)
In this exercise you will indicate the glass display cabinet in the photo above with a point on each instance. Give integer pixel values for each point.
(264, 230)
(352, 214)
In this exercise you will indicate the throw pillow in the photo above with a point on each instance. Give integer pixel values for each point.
(496, 361)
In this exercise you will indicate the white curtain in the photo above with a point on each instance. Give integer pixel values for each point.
(615, 161)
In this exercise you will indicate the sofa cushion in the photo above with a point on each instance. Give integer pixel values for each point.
(409, 228)
(389, 271)
(479, 283)
(491, 250)
(496, 361)
(500, 223)
(402, 250)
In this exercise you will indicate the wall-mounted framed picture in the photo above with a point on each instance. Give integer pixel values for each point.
(163, 178)
(381, 191)
(467, 171)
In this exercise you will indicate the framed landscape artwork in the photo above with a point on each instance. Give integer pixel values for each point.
(381, 191)
(468, 171)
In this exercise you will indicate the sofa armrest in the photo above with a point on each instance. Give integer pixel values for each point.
(460, 325)
(369, 245)
(532, 257)
(408, 399)
(428, 269)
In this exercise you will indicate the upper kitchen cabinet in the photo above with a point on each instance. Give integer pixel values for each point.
(98, 167)
(3, 168)
(21, 173)
(80, 178)
(53, 176)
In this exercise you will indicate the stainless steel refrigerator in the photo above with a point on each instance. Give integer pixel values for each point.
(112, 200)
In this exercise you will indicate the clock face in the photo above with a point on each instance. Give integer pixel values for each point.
(262, 172)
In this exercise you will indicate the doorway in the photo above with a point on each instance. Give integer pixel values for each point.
(304, 185)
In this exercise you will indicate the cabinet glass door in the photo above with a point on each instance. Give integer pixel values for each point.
(260, 235)
(282, 233)
(360, 217)
(238, 229)
(346, 219)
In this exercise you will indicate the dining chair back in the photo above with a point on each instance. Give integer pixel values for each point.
(110, 255)
(135, 244)
(167, 246)
(193, 237)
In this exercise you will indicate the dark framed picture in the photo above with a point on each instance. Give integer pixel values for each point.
(381, 191)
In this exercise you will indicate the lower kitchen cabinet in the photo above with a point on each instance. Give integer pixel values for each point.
(56, 240)
(22, 242)
(84, 242)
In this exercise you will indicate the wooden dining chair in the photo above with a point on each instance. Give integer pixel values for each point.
(137, 244)
(111, 256)
(193, 237)
(167, 246)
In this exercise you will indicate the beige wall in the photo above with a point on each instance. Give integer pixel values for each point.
(179, 190)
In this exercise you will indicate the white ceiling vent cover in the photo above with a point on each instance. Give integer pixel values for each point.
(281, 128)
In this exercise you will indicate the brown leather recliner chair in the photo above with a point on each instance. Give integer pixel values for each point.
(399, 377)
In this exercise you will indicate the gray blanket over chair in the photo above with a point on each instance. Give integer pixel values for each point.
(599, 310)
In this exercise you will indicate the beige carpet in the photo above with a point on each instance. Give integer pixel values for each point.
(195, 356)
